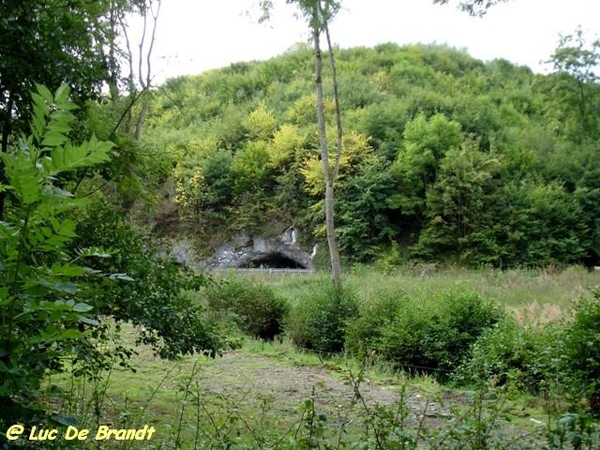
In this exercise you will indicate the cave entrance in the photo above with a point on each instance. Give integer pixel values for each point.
(273, 261)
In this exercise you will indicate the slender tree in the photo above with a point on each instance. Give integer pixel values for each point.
(139, 89)
(319, 14)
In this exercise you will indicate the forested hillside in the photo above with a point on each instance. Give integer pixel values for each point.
(445, 158)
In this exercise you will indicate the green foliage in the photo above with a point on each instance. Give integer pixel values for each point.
(574, 431)
(249, 167)
(578, 60)
(143, 288)
(451, 158)
(527, 359)
(425, 144)
(384, 122)
(42, 308)
(512, 355)
(474, 7)
(260, 123)
(430, 336)
(541, 223)
(456, 201)
(46, 42)
(366, 333)
(543, 226)
(363, 220)
(255, 308)
(580, 352)
(389, 259)
(318, 319)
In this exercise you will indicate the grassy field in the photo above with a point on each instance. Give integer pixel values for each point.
(270, 395)
(535, 295)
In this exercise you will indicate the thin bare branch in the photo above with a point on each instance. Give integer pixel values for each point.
(152, 40)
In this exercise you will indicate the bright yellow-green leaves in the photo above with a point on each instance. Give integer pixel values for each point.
(250, 166)
(302, 112)
(356, 152)
(188, 192)
(260, 123)
(382, 81)
(287, 145)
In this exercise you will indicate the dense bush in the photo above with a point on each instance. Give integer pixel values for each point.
(254, 308)
(141, 287)
(430, 336)
(580, 350)
(320, 315)
(509, 354)
(365, 334)
(529, 359)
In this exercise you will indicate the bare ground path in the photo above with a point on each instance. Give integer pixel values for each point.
(287, 385)
(269, 388)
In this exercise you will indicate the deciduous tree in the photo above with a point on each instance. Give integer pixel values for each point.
(580, 60)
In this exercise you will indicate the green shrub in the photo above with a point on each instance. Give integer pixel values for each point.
(423, 336)
(319, 318)
(254, 308)
(365, 334)
(389, 259)
(580, 350)
(509, 354)
(140, 287)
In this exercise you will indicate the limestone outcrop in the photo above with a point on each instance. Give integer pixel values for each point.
(251, 251)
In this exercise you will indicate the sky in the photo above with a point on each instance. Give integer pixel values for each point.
(197, 35)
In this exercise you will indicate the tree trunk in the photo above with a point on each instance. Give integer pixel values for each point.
(334, 254)
(338, 108)
(140, 120)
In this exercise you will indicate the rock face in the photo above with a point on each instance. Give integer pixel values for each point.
(247, 251)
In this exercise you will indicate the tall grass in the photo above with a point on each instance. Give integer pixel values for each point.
(541, 295)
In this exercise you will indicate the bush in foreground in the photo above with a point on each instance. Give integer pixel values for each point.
(422, 336)
(254, 308)
(580, 351)
(509, 354)
(319, 318)
(141, 287)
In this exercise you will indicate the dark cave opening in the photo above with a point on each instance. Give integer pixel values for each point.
(273, 261)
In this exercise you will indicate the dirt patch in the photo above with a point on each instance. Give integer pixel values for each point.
(247, 392)
(286, 387)
(255, 381)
